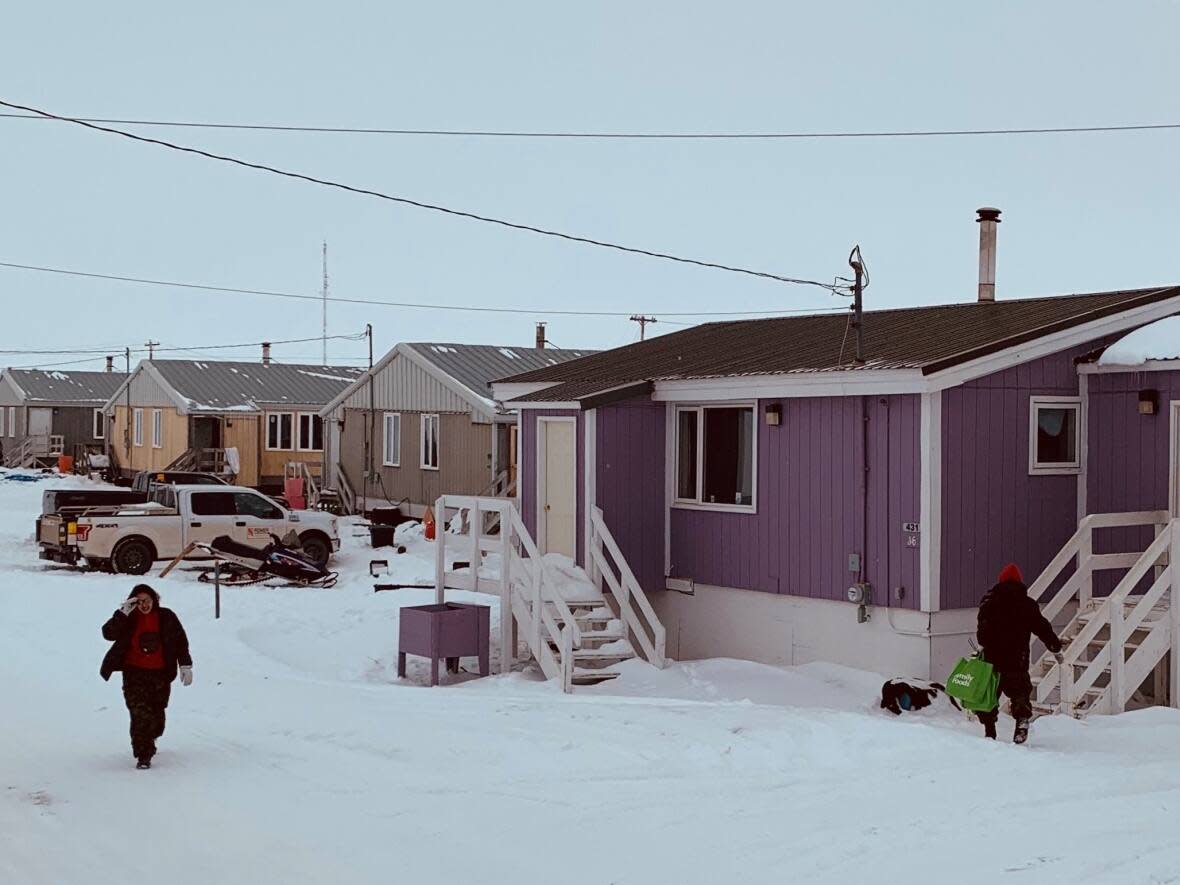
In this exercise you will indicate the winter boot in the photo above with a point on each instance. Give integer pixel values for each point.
(989, 730)
(1020, 735)
(144, 762)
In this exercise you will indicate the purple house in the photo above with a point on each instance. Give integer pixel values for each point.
(779, 502)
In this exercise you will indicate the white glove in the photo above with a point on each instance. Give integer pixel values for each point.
(128, 606)
(1060, 656)
(186, 675)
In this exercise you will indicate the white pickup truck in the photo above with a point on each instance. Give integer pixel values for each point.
(129, 538)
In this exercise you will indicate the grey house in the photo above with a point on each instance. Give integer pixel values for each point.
(423, 422)
(44, 414)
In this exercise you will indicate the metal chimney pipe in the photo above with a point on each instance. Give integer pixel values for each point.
(266, 353)
(987, 218)
(110, 364)
(540, 343)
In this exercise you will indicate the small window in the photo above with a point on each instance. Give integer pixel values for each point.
(715, 456)
(255, 505)
(213, 504)
(137, 424)
(1054, 435)
(391, 451)
(278, 431)
(100, 424)
(3, 412)
(429, 442)
(311, 433)
(157, 429)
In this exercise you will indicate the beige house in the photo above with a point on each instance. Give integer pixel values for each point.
(423, 422)
(246, 420)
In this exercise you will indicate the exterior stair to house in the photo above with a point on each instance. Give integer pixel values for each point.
(578, 624)
(200, 461)
(1116, 647)
(35, 451)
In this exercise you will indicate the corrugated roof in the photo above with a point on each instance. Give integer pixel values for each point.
(93, 388)
(923, 338)
(214, 385)
(476, 366)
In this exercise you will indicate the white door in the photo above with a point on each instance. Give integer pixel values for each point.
(40, 423)
(557, 524)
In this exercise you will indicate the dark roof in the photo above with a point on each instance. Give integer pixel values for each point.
(93, 388)
(213, 385)
(476, 366)
(928, 339)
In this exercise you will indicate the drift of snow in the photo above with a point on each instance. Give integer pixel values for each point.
(1155, 341)
(297, 756)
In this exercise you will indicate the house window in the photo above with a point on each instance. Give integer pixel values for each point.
(137, 427)
(391, 452)
(429, 442)
(715, 456)
(1054, 424)
(278, 431)
(3, 412)
(100, 424)
(157, 429)
(311, 433)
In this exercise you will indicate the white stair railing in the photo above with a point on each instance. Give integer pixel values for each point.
(607, 566)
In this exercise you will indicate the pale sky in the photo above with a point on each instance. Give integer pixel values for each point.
(1081, 212)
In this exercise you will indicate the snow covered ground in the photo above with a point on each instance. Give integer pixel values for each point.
(297, 756)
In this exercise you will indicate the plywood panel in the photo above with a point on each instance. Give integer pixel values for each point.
(242, 432)
(145, 457)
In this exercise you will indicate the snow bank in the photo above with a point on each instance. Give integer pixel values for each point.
(1156, 341)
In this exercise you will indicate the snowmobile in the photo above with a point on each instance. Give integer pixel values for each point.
(281, 558)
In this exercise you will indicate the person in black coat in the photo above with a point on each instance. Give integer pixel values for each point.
(150, 647)
(1008, 618)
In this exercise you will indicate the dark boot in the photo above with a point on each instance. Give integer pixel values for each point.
(144, 763)
(989, 730)
(1020, 735)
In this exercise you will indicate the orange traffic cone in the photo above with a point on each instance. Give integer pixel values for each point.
(428, 524)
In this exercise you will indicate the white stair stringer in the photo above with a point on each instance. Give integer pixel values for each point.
(1112, 644)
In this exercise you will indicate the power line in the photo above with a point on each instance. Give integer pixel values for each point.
(157, 348)
(406, 201)
(590, 135)
(399, 304)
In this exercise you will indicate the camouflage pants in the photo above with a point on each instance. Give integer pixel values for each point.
(146, 693)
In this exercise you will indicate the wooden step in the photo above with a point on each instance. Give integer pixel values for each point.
(593, 677)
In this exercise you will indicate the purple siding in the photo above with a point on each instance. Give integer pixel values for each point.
(630, 484)
(812, 505)
(993, 511)
(527, 475)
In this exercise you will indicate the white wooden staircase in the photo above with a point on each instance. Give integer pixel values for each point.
(1112, 644)
(577, 624)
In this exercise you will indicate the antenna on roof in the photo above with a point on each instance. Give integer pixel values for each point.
(324, 296)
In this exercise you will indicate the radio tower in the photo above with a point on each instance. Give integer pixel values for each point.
(324, 295)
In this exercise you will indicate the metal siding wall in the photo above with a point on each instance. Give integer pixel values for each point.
(993, 511)
(76, 424)
(810, 499)
(403, 385)
(146, 392)
(629, 484)
(528, 471)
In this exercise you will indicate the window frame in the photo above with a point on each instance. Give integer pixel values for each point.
(298, 440)
(3, 421)
(425, 419)
(699, 503)
(280, 447)
(137, 428)
(385, 421)
(94, 424)
(1054, 468)
(157, 428)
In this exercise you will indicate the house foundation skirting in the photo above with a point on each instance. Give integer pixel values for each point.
(790, 630)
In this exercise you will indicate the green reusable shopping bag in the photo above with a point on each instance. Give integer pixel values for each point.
(975, 684)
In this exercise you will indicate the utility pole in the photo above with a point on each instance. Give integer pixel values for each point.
(151, 346)
(127, 427)
(324, 294)
(856, 262)
(643, 321)
(372, 412)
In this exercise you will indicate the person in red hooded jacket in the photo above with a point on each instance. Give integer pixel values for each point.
(1008, 618)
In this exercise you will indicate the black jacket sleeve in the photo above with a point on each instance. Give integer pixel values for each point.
(1042, 628)
(116, 627)
(183, 658)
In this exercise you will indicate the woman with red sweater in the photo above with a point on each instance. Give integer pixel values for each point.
(150, 647)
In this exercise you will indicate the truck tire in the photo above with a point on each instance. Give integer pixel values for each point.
(316, 547)
(133, 556)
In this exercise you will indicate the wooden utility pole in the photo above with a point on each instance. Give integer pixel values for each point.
(643, 321)
(151, 346)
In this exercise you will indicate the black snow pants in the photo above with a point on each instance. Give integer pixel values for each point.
(146, 693)
(1016, 684)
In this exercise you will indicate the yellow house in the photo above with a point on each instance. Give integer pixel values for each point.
(245, 420)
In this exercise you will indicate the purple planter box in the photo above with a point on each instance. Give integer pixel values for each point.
(451, 630)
